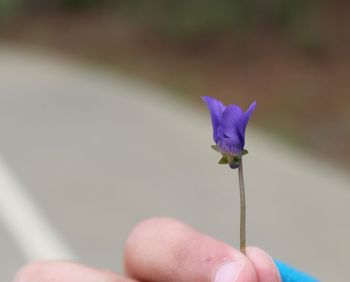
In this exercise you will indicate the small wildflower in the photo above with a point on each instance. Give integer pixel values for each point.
(229, 125)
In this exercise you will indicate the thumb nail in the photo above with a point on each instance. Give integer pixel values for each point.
(228, 272)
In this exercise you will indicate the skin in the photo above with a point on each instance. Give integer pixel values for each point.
(163, 250)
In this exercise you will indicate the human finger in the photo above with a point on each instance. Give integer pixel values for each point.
(264, 265)
(162, 249)
(65, 272)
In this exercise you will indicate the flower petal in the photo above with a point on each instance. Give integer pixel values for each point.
(230, 146)
(245, 118)
(231, 120)
(216, 109)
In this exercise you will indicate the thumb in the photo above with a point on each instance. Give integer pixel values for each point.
(162, 249)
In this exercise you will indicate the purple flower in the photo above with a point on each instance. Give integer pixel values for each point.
(229, 124)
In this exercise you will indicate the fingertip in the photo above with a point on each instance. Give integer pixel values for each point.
(264, 265)
(238, 270)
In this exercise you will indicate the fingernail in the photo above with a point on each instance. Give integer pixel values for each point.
(228, 272)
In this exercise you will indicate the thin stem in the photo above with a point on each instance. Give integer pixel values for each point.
(242, 196)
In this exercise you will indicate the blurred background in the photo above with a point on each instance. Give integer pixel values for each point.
(71, 70)
(290, 55)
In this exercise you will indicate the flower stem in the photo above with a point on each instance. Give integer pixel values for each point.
(242, 196)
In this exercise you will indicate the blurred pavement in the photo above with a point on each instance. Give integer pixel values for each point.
(98, 152)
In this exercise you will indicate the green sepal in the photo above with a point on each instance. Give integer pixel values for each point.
(234, 161)
(223, 160)
(215, 148)
(244, 152)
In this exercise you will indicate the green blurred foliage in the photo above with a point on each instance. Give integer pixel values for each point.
(8, 8)
(63, 5)
(196, 17)
(188, 17)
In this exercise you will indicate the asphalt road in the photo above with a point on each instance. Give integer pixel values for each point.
(96, 152)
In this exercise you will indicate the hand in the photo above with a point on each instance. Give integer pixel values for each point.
(166, 250)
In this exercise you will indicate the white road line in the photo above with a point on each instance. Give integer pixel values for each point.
(33, 233)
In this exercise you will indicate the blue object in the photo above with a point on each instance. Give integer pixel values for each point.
(290, 274)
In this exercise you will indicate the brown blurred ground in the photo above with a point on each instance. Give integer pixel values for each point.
(301, 80)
